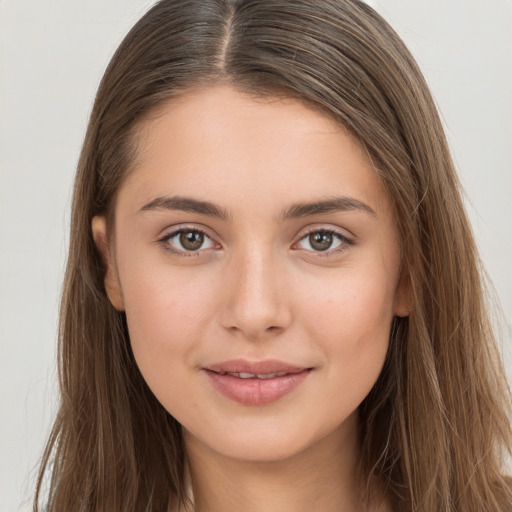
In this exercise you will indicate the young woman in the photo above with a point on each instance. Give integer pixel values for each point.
(272, 299)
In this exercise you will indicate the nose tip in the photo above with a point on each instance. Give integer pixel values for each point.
(254, 324)
(257, 305)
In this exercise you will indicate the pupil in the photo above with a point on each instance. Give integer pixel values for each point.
(191, 240)
(320, 241)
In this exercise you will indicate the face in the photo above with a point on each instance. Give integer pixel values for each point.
(256, 258)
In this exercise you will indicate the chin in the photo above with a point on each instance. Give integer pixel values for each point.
(257, 441)
(263, 449)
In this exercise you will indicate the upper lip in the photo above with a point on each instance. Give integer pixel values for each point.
(256, 367)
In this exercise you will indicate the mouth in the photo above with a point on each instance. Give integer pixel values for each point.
(246, 375)
(266, 367)
(255, 383)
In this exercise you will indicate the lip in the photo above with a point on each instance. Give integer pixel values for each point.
(261, 367)
(255, 391)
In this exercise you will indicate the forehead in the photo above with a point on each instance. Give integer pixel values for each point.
(221, 143)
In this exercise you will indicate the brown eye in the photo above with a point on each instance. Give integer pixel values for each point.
(191, 240)
(185, 241)
(320, 241)
(324, 240)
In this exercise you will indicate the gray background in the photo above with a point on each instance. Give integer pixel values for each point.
(52, 55)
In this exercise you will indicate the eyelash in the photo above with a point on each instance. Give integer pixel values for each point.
(345, 242)
(164, 241)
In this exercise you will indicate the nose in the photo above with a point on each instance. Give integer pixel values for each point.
(257, 301)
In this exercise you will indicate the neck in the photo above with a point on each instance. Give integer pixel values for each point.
(322, 477)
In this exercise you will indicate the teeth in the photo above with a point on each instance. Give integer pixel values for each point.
(243, 375)
(246, 375)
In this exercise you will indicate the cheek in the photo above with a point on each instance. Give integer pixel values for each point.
(352, 306)
(166, 313)
(351, 320)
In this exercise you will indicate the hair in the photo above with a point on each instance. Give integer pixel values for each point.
(435, 428)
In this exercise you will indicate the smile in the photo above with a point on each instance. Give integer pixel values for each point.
(245, 375)
(268, 381)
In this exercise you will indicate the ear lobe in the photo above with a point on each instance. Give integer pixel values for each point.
(111, 280)
(403, 302)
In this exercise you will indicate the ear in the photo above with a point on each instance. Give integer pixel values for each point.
(403, 303)
(112, 285)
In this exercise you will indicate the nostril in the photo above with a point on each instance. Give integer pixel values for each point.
(255, 310)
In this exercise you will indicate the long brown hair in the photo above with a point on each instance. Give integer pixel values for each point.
(435, 427)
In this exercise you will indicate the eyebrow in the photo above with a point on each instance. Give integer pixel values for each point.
(336, 204)
(299, 210)
(186, 204)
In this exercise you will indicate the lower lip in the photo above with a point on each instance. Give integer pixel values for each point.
(256, 391)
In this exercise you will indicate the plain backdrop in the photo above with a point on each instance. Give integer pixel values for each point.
(52, 55)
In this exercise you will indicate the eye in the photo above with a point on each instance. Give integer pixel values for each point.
(187, 241)
(323, 240)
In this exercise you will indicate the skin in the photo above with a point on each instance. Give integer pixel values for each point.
(258, 288)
